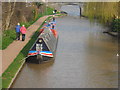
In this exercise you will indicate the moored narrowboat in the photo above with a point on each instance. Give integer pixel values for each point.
(44, 48)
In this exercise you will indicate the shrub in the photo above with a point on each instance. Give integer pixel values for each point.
(115, 25)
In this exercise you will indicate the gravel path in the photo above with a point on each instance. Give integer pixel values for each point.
(10, 53)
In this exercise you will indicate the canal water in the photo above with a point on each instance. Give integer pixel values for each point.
(85, 58)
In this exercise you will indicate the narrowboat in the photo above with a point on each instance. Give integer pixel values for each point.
(45, 46)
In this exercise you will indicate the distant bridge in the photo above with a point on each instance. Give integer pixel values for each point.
(58, 5)
(80, 4)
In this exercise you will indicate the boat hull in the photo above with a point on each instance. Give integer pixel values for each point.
(44, 48)
(38, 59)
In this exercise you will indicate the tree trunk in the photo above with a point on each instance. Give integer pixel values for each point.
(36, 13)
(11, 8)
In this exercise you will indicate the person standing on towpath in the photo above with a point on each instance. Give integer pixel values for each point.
(18, 31)
(23, 31)
(54, 12)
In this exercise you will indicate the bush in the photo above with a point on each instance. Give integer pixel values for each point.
(115, 25)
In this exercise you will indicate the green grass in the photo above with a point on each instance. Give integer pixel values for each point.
(61, 15)
(15, 65)
(49, 11)
(0, 83)
(9, 36)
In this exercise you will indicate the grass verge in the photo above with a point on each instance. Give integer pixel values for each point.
(8, 37)
(9, 74)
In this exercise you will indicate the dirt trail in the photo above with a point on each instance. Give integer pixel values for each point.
(10, 53)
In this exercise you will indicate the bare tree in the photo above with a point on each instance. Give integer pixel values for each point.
(11, 8)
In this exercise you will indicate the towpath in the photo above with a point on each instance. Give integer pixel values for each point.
(10, 53)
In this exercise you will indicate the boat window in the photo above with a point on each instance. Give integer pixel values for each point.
(38, 47)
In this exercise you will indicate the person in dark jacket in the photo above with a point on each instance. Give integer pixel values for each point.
(54, 12)
(18, 31)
